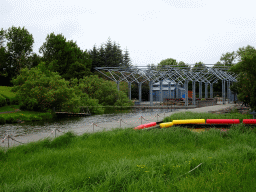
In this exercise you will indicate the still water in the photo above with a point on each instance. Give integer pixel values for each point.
(19, 129)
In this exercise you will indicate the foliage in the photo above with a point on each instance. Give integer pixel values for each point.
(199, 67)
(66, 57)
(169, 62)
(228, 58)
(126, 59)
(18, 50)
(99, 89)
(34, 60)
(40, 89)
(2, 101)
(9, 108)
(109, 55)
(2, 39)
(3, 65)
(246, 70)
(11, 98)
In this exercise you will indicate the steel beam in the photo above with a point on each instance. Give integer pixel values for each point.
(117, 82)
(177, 90)
(194, 92)
(161, 92)
(206, 90)
(186, 92)
(130, 90)
(200, 89)
(140, 91)
(151, 92)
(211, 90)
(223, 91)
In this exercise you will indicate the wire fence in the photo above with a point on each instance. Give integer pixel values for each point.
(121, 122)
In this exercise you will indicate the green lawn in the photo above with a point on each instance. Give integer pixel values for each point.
(6, 92)
(9, 108)
(171, 159)
(21, 115)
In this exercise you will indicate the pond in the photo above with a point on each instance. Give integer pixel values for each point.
(20, 129)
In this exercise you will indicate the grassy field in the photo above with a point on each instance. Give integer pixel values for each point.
(171, 159)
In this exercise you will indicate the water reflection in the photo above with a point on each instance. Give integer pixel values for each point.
(19, 129)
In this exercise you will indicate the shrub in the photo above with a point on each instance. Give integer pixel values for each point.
(39, 89)
(11, 119)
(2, 101)
(2, 121)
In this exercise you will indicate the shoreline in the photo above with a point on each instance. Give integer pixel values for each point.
(106, 126)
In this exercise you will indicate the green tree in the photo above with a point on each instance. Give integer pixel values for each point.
(2, 37)
(126, 59)
(165, 62)
(228, 58)
(244, 50)
(66, 57)
(4, 79)
(246, 70)
(34, 60)
(109, 55)
(95, 56)
(199, 66)
(18, 49)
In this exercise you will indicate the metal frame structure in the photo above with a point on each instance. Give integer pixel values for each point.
(207, 74)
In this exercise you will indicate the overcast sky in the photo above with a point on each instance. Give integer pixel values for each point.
(151, 30)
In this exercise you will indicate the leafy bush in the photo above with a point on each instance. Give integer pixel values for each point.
(2, 101)
(11, 119)
(2, 120)
(102, 92)
(40, 89)
(11, 98)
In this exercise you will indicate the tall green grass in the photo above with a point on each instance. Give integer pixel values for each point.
(129, 160)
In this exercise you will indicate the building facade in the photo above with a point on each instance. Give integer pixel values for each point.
(169, 90)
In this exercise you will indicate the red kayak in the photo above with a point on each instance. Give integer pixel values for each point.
(146, 125)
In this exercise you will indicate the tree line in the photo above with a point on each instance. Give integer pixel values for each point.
(65, 56)
(68, 61)
(63, 77)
